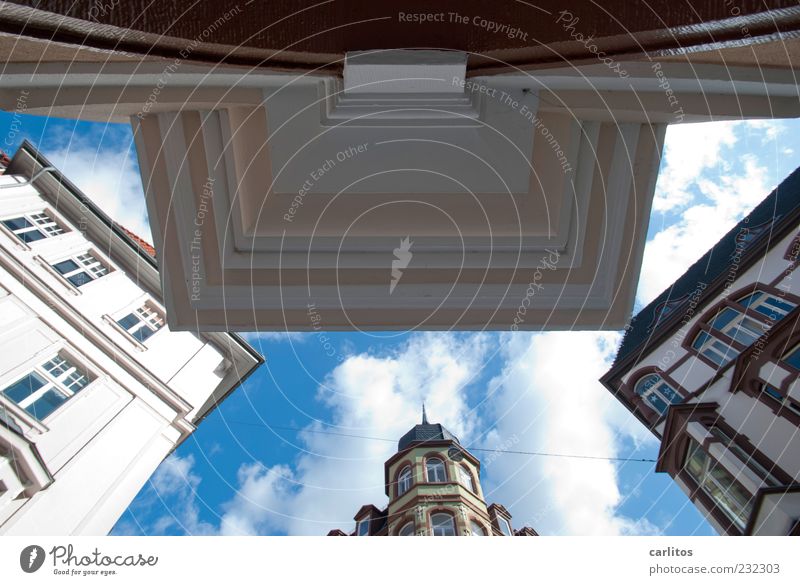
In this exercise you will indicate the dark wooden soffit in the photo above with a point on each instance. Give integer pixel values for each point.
(500, 36)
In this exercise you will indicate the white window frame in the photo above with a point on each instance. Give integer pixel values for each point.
(65, 381)
(89, 263)
(365, 524)
(656, 389)
(441, 527)
(148, 317)
(465, 478)
(404, 482)
(742, 328)
(706, 479)
(41, 221)
(505, 526)
(441, 466)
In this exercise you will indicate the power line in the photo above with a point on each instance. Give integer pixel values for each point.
(504, 451)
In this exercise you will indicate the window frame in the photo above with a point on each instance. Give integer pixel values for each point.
(400, 490)
(655, 389)
(148, 316)
(503, 521)
(52, 383)
(708, 462)
(450, 518)
(408, 524)
(462, 471)
(83, 267)
(428, 461)
(363, 522)
(726, 335)
(34, 219)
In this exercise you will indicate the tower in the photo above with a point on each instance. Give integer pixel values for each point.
(434, 489)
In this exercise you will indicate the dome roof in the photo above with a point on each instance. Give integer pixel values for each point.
(425, 432)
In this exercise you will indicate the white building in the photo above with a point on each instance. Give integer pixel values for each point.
(712, 367)
(94, 389)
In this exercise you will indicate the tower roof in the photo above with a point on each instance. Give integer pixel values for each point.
(425, 432)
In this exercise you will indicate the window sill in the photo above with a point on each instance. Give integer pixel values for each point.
(53, 272)
(116, 326)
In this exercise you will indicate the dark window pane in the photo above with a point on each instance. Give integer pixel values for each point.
(45, 405)
(17, 223)
(66, 266)
(79, 279)
(750, 299)
(723, 318)
(793, 359)
(31, 236)
(143, 333)
(128, 321)
(20, 390)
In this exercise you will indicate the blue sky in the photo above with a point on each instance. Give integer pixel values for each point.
(265, 461)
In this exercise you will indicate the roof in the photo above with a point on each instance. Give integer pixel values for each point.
(144, 245)
(423, 433)
(767, 224)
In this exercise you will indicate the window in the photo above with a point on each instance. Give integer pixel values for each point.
(142, 323)
(505, 527)
(731, 326)
(436, 471)
(443, 525)
(718, 484)
(33, 227)
(476, 529)
(792, 359)
(407, 530)
(404, 481)
(744, 456)
(465, 478)
(363, 527)
(81, 269)
(48, 386)
(656, 393)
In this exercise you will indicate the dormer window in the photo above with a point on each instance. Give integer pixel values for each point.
(404, 480)
(435, 470)
(505, 527)
(81, 269)
(363, 527)
(142, 323)
(656, 393)
(32, 227)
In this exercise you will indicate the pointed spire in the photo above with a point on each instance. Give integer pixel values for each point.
(424, 416)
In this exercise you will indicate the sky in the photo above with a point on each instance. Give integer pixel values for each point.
(301, 445)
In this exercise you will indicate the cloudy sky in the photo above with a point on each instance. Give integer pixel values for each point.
(301, 446)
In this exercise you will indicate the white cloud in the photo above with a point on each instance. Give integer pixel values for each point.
(689, 150)
(547, 398)
(108, 174)
(173, 488)
(729, 195)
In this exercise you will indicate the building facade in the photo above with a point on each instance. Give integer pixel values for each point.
(712, 368)
(95, 390)
(434, 489)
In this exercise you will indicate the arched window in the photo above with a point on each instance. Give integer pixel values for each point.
(731, 328)
(404, 481)
(435, 470)
(406, 530)
(656, 393)
(465, 478)
(443, 525)
(476, 529)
